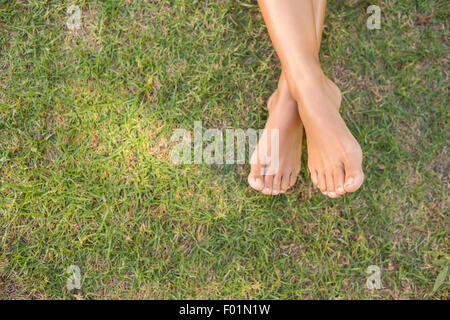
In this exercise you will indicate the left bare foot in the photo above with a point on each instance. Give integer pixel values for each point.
(334, 155)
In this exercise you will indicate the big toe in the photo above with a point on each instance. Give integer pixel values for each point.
(354, 175)
(353, 180)
(255, 179)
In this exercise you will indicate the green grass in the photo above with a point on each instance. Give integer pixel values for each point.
(86, 178)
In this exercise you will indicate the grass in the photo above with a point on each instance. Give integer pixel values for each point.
(86, 178)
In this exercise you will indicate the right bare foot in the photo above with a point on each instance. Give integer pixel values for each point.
(334, 155)
(283, 117)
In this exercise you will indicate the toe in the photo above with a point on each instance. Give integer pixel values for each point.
(330, 185)
(255, 179)
(322, 183)
(285, 182)
(268, 183)
(276, 189)
(338, 177)
(314, 178)
(293, 178)
(354, 177)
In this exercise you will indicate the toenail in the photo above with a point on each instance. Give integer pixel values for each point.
(332, 194)
(258, 181)
(349, 182)
(266, 190)
(340, 189)
(275, 192)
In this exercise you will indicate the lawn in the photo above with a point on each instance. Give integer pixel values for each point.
(86, 177)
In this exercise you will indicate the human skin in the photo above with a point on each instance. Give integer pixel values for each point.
(334, 155)
(283, 115)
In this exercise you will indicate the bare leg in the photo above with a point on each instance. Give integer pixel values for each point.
(283, 115)
(334, 155)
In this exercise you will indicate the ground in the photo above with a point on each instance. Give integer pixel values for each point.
(86, 178)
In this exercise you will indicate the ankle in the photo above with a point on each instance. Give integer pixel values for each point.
(305, 79)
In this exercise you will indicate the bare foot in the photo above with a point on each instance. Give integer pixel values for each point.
(334, 155)
(276, 178)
